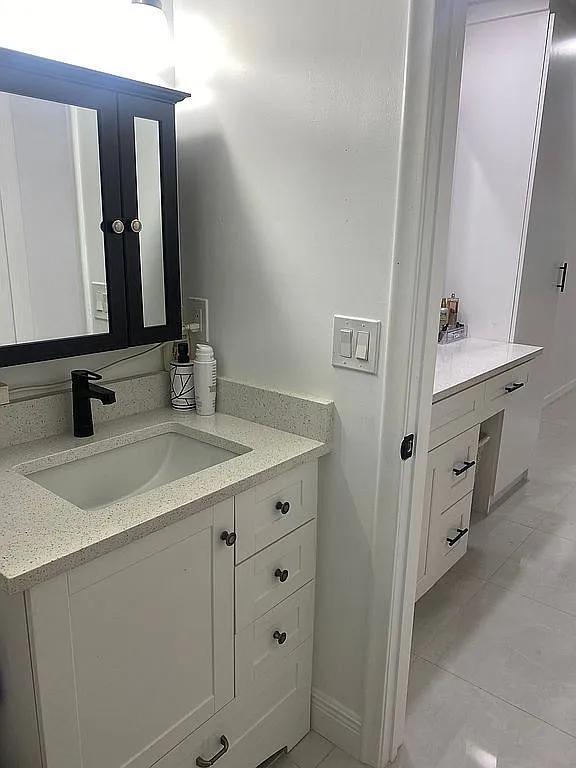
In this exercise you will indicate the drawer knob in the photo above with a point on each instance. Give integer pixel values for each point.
(280, 637)
(461, 532)
(229, 538)
(463, 466)
(513, 387)
(283, 507)
(281, 574)
(202, 763)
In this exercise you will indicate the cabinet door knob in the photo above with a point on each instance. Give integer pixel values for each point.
(283, 507)
(282, 575)
(280, 637)
(202, 763)
(118, 227)
(463, 466)
(136, 225)
(229, 538)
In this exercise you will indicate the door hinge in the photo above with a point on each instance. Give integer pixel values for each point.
(407, 447)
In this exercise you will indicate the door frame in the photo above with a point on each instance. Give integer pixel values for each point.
(430, 119)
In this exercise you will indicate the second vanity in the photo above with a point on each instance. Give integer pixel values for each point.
(485, 423)
(164, 619)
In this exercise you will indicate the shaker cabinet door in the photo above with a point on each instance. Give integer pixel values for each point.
(150, 203)
(134, 651)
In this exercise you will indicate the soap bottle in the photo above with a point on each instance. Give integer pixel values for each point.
(453, 304)
(443, 319)
(182, 396)
(205, 380)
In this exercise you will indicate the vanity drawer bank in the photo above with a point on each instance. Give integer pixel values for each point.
(170, 628)
(483, 392)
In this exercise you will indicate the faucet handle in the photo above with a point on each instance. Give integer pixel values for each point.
(81, 375)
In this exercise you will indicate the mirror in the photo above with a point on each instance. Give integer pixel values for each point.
(52, 256)
(149, 185)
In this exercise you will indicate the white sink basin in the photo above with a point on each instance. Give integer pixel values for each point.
(120, 472)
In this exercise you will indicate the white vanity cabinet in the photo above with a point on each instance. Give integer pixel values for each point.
(165, 652)
(455, 431)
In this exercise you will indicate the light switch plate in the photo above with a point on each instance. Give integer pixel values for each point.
(355, 324)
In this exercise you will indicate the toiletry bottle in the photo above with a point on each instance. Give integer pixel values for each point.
(453, 303)
(443, 319)
(182, 380)
(205, 380)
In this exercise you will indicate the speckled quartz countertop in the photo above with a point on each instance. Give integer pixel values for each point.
(464, 363)
(42, 535)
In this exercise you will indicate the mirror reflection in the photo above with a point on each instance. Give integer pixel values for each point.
(52, 259)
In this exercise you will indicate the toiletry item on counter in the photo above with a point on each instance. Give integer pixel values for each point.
(182, 397)
(443, 318)
(205, 380)
(453, 304)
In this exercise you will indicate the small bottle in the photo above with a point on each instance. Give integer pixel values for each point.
(443, 319)
(453, 304)
(182, 396)
(205, 380)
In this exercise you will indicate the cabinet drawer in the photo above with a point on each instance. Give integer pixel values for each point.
(503, 388)
(271, 510)
(275, 716)
(445, 529)
(450, 480)
(273, 637)
(259, 589)
(455, 414)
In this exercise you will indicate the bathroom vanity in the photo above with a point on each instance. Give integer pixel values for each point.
(171, 626)
(483, 396)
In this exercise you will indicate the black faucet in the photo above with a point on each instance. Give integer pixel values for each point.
(83, 391)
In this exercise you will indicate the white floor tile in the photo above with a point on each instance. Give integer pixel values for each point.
(561, 520)
(519, 511)
(490, 543)
(339, 759)
(439, 606)
(542, 568)
(452, 724)
(310, 752)
(543, 495)
(283, 762)
(517, 649)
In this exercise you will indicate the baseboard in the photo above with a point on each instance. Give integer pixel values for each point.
(558, 393)
(505, 493)
(336, 723)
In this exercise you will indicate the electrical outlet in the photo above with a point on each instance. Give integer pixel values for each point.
(4, 394)
(196, 316)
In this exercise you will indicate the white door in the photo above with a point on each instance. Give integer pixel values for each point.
(134, 651)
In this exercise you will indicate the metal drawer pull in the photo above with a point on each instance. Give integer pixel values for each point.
(461, 532)
(118, 227)
(136, 226)
(463, 466)
(280, 637)
(201, 763)
(229, 538)
(283, 507)
(514, 387)
(281, 574)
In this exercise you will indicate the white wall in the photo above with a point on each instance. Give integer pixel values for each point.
(497, 131)
(288, 154)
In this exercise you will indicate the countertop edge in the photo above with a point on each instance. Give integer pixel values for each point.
(485, 375)
(34, 577)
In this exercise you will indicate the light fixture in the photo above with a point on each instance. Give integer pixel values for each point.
(151, 36)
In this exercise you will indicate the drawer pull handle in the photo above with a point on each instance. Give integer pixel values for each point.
(461, 532)
(513, 387)
(201, 763)
(229, 538)
(283, 507)
(282, 575)
(462, 467)
(280, 637)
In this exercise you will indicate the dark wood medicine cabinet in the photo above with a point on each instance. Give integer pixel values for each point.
(89, 252)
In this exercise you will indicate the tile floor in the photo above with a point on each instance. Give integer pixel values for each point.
(493, 676)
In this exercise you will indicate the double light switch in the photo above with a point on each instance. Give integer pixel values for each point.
(355, 343)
